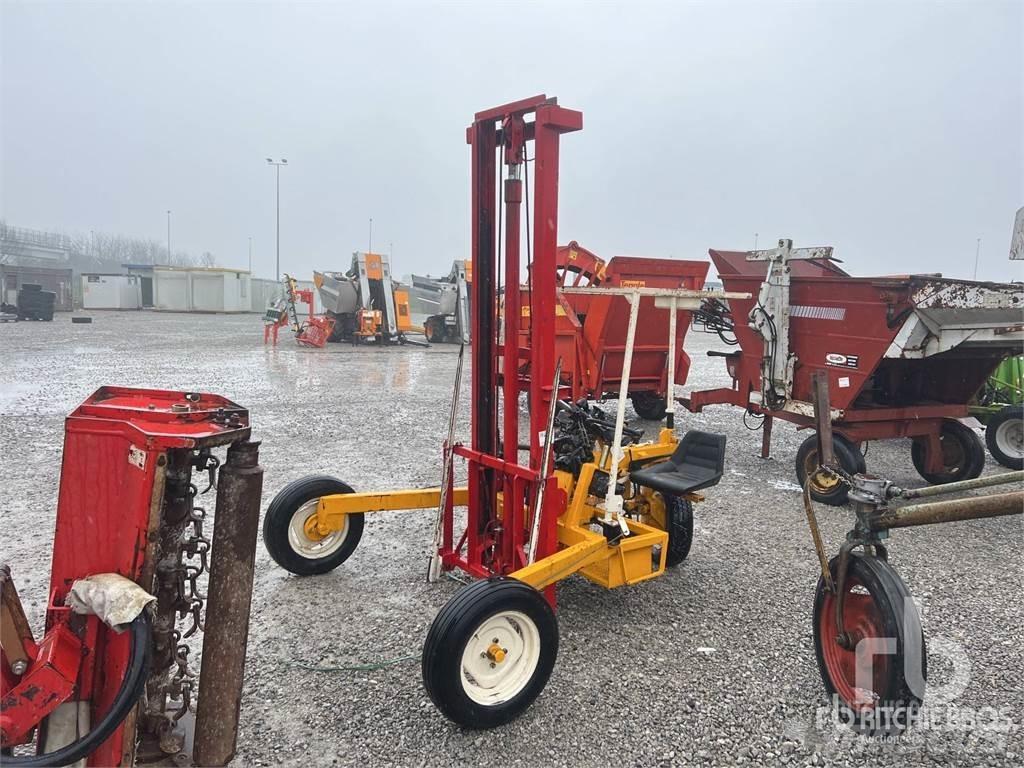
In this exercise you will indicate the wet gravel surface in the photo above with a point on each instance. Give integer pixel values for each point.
(712, 664)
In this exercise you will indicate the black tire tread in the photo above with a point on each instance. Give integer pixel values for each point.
(439, 646)
(850, 459)
(278, 517)
(1009, 413)
(972, 443)
(892, 587)
(648, 405)
(679, 519)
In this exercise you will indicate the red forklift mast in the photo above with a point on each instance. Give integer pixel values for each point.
(494, 470)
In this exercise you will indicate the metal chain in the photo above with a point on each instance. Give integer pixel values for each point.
(193, 562)
(839, 473)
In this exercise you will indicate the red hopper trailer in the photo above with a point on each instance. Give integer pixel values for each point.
(904, 356)
(590, 329)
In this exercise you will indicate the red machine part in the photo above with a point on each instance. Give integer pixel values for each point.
(576, 266)
(47, 683)
(112, 486)
(315, 331)
(591, 330)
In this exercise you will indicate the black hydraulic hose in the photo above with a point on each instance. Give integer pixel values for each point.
(132, 687)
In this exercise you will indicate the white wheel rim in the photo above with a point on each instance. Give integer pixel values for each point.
(314, 549)
(490, 680)
(1010, 438)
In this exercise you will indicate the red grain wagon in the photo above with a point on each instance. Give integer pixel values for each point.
(904, 356)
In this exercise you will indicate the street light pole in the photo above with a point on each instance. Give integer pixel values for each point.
(168, 238)
(250, 257)
(277, 164)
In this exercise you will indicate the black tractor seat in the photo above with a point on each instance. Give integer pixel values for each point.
(697, 463)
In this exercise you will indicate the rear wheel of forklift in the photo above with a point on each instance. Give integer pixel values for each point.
(489, 652)
(674, 515)
(876, 665)
(649, 405)
(826, 488)
(1004, 435)
(963, 454)
(289, 529)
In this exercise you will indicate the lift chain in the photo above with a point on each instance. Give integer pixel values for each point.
(193, 562)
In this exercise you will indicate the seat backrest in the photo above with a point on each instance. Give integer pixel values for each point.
(701, 449)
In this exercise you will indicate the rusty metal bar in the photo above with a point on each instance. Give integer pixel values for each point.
(227, 609)
(766, 436)
(963, 485)
(819, 547)
(823, 418)
(15, 633)
(953, 510)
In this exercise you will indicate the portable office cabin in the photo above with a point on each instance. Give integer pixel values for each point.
(201, 289)
(144, 272)
(106, 291)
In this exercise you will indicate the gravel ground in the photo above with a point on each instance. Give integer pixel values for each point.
(712, 664)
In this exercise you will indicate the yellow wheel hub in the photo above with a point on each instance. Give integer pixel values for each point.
(824, 481)
(496, 653)
(313, 530)
(821, 481)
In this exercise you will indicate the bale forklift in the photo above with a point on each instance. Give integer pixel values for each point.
(577, 493)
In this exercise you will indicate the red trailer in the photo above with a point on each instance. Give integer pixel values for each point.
(904, 356)
(590, 329)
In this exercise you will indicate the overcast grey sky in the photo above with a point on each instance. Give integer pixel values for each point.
(891, 131)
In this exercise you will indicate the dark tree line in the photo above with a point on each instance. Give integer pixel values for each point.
(100, 247)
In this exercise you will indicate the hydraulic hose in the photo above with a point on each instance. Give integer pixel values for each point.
(132, 687)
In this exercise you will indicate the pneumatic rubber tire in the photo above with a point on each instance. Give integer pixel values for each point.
(877, 606)
(282, 528)
(467, 686)
(963, 454)
(831, 491)
(679, 515)
(1003, 436)
(648, 405)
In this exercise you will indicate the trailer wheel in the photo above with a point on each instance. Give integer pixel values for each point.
(648, 405)
(489, 652)
(963, 454)
(826, 488)
(1004, 435)
(289, 542)
(433, 330)
(879, 679)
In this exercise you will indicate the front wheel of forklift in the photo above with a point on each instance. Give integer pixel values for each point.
(289, 531)
(489, 652)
